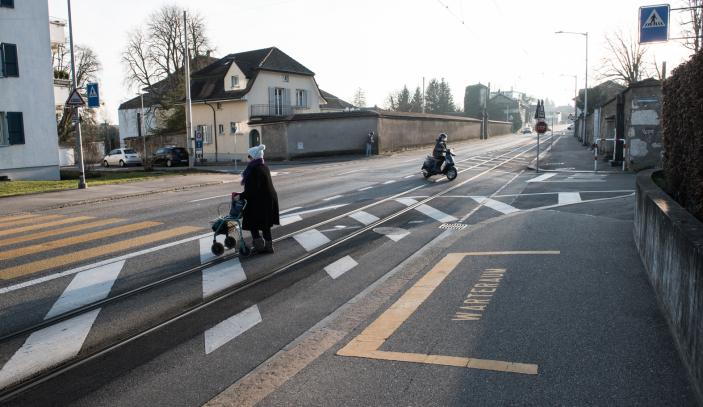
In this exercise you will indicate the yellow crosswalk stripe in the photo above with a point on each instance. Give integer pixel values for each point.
(44, 225)
(58, 261)
(55, 232)
(6, 219)
(27, 220)
(73, 240)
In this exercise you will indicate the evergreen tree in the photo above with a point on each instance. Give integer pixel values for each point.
(445, 98)
(432, 96)
(416, 102)
(404, 100)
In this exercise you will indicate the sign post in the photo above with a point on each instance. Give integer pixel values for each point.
(540, 127)
(654, 23)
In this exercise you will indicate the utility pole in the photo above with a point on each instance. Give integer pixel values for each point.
(190, 140)
(585, 92)
(423, 94)
(75, 111)
(142, 128)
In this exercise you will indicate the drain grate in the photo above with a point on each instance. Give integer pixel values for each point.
(453, 226)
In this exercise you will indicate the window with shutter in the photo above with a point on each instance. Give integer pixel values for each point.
(7, 3)
(15, 127)
(9, 60)
(4, 138)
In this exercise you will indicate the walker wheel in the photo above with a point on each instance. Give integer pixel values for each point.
(217, 249)
(230, 242)
(244, 250)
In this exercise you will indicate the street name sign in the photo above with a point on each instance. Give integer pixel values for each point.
(93, 95)
(654, 23)
(75, 99)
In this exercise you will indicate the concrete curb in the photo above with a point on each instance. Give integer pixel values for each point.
(110, 198)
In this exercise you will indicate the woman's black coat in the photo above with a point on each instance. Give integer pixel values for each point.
(261, 211)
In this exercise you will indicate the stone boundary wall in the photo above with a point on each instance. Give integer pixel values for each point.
(670, 242)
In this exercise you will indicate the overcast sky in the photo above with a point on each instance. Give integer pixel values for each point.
(381, 45)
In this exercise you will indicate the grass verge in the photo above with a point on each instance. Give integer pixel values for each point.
(69, 180)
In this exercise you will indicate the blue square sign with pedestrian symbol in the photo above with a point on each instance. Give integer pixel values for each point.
(654, 23)
(91, 89)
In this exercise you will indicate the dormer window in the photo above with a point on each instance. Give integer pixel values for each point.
(234, 81)
(286, 78)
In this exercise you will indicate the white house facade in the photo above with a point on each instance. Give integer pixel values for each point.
(28, 137)
(230, 94)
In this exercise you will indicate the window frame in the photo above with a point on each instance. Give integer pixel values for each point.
(286, 77)
(18, 139)
(233, 128)
(3, 61)
(7, 3)
(234, 81)
(221, 129)
(4, 135)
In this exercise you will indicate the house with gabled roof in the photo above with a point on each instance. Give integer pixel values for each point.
(232, 95)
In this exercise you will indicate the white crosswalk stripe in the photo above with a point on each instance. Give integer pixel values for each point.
(495, 205)
(340, 266)
(542, 178)
(566, 198)
(231, 328)
(311, 239)
(87, 287)
(222, 276)
(47, 348)
(364, 217)
(428, 210)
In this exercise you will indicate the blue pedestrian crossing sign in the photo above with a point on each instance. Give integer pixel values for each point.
(654, 23)
(93, 94)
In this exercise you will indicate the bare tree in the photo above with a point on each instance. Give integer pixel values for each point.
(156, 52)
(693, 25)
(626, 62)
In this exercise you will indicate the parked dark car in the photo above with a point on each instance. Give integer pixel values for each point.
(170, 156)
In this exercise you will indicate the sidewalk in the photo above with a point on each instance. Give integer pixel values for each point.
(569, 155)
(71, 197)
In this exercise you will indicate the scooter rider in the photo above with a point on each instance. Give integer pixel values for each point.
(440, 151)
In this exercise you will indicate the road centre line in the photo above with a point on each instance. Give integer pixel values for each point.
(73, 240)
(364, 189)
(54, 232)
(295, 208)
(211, 197)
(44, 225)
(332, 198)
(349, 172)
(389, 182)
(57, 261)
(367, 344)
(324, 208)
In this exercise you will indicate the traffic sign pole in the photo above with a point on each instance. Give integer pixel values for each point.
(79, 138)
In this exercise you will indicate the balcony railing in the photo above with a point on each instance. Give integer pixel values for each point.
(275, 110)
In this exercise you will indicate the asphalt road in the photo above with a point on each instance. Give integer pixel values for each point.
(589, 329)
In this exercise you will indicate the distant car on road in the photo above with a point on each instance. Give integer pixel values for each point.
(170, 156)
(122, 157)
(571, 127)
(527, 130)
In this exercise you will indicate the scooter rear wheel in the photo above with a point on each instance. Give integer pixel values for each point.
(426, 173)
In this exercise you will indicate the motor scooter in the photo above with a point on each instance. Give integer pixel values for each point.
(429, 167)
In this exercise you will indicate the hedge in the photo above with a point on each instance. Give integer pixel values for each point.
(682, 119)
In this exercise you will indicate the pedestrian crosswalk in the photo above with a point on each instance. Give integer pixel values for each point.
(31, 244)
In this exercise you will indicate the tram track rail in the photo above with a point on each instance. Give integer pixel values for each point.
(41, 377)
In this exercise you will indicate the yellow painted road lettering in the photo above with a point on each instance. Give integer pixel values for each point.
(463, 316)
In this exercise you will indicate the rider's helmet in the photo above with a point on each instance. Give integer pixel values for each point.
(442, 137)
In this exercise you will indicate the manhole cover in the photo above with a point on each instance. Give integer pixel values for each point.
(453, 226)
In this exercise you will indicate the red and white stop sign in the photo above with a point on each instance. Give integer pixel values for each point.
(541, 127)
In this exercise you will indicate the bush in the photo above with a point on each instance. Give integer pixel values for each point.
(682, 119)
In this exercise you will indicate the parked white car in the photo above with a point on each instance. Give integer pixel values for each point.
(122, 157)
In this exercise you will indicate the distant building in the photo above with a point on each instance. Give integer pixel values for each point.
(475, 98)
(62, 81)
(28, 137)
(231, 96)
(334, 104)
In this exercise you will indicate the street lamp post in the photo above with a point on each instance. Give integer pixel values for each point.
(585, 88)
(76, 117)
(142, 127)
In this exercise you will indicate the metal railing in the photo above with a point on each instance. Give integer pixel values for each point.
(275, 110)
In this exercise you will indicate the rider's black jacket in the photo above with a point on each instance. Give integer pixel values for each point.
(440, 149)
